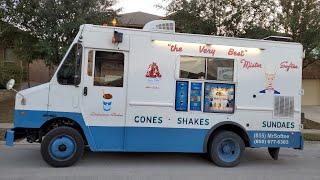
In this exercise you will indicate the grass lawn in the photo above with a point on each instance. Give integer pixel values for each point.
(311, 137)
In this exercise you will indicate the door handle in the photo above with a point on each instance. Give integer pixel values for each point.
(85, 91)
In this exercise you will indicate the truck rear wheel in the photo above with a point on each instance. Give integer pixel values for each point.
(226, 149)
(62, 147)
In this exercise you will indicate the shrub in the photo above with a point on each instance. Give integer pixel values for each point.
(10, 71)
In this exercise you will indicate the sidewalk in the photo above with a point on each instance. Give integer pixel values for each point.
(312, 113)
(6, 125)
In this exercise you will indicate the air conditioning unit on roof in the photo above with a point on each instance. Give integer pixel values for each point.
(160, 26)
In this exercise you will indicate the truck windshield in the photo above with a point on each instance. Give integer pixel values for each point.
(70, 71)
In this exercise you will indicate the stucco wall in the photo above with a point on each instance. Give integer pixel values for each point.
(311, 92)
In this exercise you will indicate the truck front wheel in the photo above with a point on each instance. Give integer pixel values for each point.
(62, 147)
(226, 149)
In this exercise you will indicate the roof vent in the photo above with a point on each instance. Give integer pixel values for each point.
(160, 26)
(279, 38)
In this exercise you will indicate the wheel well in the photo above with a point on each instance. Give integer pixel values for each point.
(233, 127)
(60, 121)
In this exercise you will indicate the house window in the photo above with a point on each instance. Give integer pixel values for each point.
(9, 55)
(219, 69)
(108, 69)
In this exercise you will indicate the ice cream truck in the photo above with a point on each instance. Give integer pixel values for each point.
(155, 90)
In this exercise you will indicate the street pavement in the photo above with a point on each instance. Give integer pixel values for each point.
(24, 162)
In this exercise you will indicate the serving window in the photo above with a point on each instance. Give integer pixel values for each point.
(219, 69)
(210, 83)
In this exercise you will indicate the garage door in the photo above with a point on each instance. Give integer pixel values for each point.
(311, 92)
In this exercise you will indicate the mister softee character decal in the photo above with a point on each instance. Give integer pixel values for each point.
(270, 77)
(153, 76)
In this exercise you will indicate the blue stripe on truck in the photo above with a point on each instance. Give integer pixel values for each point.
(165, 139)
(151, 139)
(275, 139)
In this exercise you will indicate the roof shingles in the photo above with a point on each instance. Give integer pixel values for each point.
(136, 19)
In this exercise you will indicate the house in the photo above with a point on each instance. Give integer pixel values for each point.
(311, 85)
(39, 73)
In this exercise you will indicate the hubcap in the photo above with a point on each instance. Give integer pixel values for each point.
(228, 150)
(62, 147)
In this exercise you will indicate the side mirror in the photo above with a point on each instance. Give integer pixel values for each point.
(10, 84)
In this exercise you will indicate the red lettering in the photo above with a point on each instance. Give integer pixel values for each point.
(175, 48)
(250, 65)
(233, 52)
(206, 50)
(287, 66)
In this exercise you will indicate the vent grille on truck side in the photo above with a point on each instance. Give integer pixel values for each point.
(283, 106)
(160, 25)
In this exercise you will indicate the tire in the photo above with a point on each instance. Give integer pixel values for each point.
(62, 147)
(226, 149)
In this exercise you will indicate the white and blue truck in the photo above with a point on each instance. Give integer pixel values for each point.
(154, 90)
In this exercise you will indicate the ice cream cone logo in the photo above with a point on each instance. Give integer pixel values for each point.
(153, 71)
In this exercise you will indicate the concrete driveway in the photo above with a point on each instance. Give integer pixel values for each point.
(312, 113)
(24, 162)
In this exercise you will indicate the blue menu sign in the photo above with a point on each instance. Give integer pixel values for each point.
(181, 103)
(195, 96)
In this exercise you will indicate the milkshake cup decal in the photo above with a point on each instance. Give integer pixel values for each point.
(107, 102)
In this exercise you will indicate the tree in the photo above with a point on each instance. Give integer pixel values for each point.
(220, 17)
(301, 20)
(54, 24)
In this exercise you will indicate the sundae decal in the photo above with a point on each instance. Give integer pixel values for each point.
(107, 102)
(153, 76)
(250, 65)
(270, 77)
(287, 66)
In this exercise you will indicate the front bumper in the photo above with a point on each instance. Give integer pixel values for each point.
(9, 137)
(16, 134)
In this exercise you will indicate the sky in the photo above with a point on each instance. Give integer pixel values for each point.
(147, 6)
